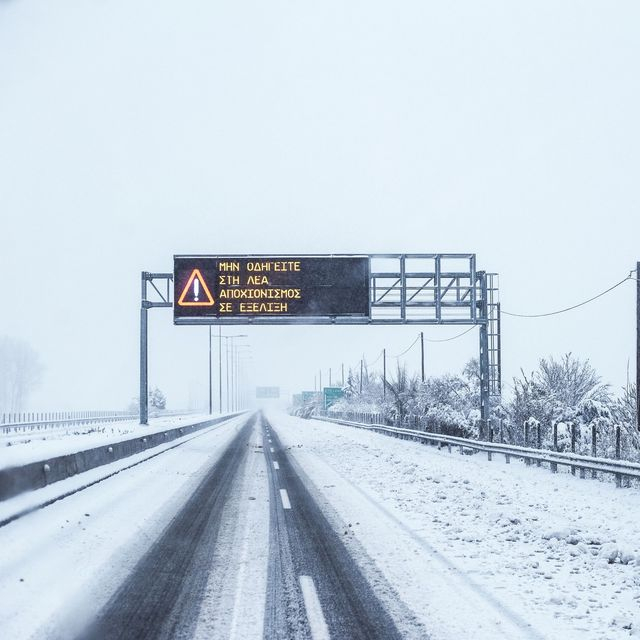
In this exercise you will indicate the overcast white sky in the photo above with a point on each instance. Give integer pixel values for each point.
(130, 131)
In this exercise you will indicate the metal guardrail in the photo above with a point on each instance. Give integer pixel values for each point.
(619, 468)
(38, 474)
(88, 417)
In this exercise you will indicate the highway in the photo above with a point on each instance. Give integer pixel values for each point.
(193, 579)
(265, 527)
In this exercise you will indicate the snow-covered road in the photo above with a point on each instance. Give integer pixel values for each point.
(291, 528)
(479, 549)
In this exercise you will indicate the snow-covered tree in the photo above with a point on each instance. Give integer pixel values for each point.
(20, 373)
(157, 399)
(401, 395)
(625, 413)
(554, 392)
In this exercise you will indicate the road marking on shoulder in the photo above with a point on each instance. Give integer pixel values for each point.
(276, 465)
(319, 629)
(285, 499)
(272, 450)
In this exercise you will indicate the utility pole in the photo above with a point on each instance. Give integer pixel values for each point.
(638, 345)
(384, 373)
(342, 365)
(144, 361)
(210, 380)
(220, 367)
(227, 350)
(329, 376)
(361, 374)
(422, 353)
(320, 381)
(233, 376)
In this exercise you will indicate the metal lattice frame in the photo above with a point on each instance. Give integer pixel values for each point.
(425, 289)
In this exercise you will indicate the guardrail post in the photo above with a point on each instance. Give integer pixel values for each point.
(554, 465)
(573, 446)
(538, 441)
(618, 475)
(526, 441)
(593, 447)
(490, 440)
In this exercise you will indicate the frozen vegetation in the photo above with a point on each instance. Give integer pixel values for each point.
(566, 393)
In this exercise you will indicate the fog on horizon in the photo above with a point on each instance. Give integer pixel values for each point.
(131, 133)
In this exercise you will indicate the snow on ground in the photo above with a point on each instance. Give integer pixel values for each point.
(60, 564)
(480, 549)
(19, 449)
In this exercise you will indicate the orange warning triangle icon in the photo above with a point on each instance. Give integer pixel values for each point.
(196, 293)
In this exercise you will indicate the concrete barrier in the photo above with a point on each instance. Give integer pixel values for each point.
(35, 475)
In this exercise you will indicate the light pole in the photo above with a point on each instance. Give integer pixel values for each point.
(210, 376)
(241, 393)
(235, 372)
(226, 338)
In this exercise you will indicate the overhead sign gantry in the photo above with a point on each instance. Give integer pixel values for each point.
(395, 288)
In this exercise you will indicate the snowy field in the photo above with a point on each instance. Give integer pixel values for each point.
(479, 549)
(19, 449)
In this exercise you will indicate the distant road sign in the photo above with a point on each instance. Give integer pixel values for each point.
(267, 392)
(332, 395)
(310, 396)
(241, 289)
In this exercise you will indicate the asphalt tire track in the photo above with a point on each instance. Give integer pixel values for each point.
(303, 543)
(161, 599)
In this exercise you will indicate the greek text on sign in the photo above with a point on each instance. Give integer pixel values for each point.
(213, 288)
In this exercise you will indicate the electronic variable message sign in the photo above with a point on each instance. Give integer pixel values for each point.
(269, 289)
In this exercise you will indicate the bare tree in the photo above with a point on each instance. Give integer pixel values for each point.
(20, 373)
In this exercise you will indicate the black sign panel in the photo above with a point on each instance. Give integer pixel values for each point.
(242, 288)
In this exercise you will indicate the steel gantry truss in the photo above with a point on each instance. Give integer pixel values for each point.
(425, 289)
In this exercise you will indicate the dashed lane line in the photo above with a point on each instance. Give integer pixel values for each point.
(285, 499)
(317, 623)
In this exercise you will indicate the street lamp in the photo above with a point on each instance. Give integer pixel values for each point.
(235, 373)
(227, 338)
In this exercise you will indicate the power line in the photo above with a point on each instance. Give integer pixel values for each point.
(370, 364)
(575, 306)
(408, 348)
(471, 328)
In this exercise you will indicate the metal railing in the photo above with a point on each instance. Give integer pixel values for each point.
(621, 469)
(11, 423)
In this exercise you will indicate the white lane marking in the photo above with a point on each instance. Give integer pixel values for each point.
(319, 629)
(285, 499)
(272, 450)
(276, 465)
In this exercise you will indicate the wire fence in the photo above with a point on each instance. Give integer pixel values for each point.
(38, 421)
